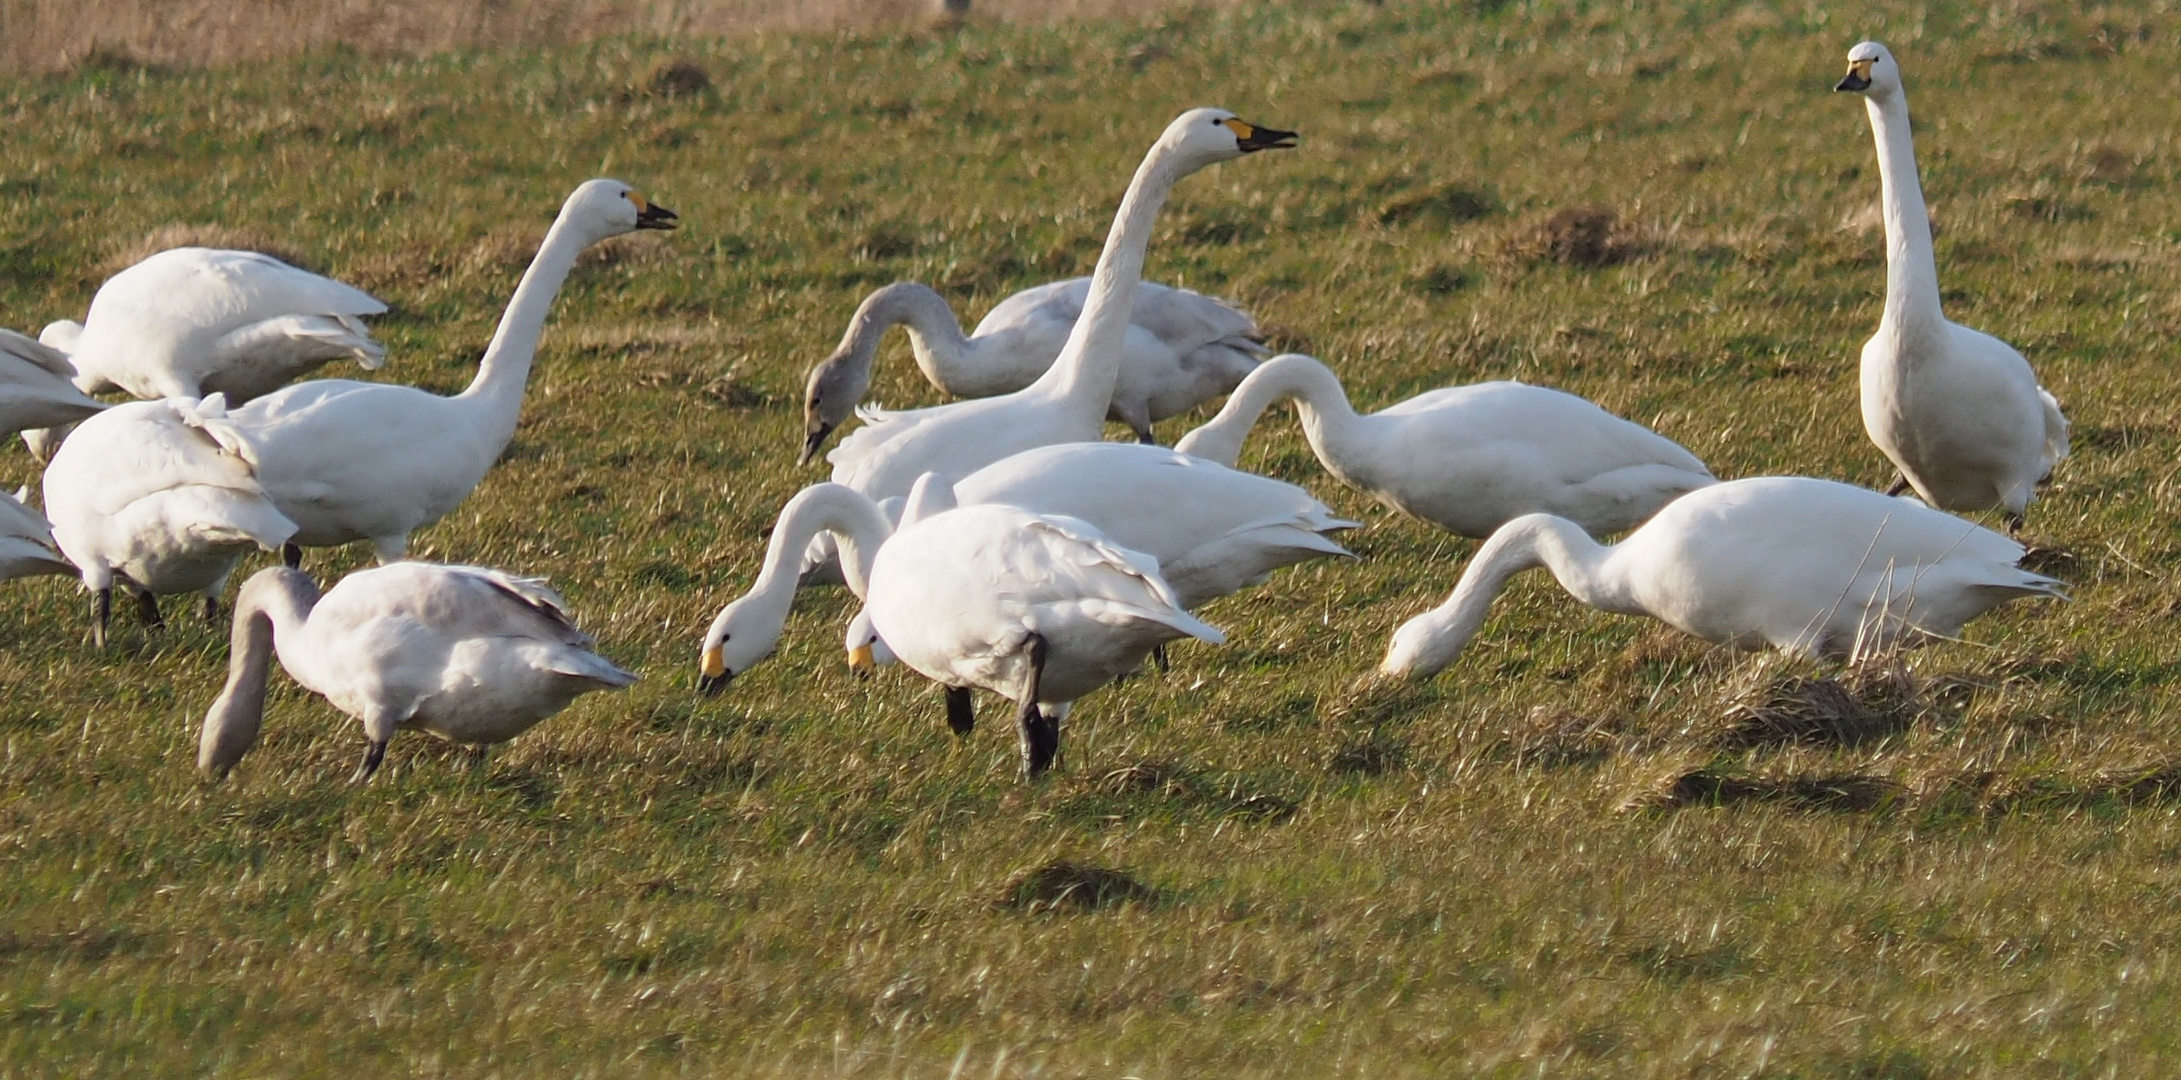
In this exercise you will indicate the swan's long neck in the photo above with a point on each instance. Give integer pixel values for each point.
(1090, 363)
(274, 605)
(498, 388)
(1438, 636)
(1329, 422)
(1912, 271)
(935, 335)
(854, 520)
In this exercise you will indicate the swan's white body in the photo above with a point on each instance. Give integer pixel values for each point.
(191, 321)
(26, 542)
(1181, 348)
(472, 655)
(1959, 412)
(36, 387)
(1038, 608)
(1068, 402)
(374, 461)
(162, 493)
(1806, 566)
(1211, 530)
(1468, 458)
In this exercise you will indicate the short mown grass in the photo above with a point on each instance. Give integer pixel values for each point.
(1592, 847)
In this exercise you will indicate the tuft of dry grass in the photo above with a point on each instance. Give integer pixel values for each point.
(1864, 703)
(1062, 885)
(1582, 236)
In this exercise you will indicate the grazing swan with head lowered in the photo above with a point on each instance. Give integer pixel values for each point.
(1038, 608)
(1959, 412)
(192, 321)
(373, 461)
(1468, 458)
(1213, 531)
(36, 387)
(1806, 566)
(471, 655)
(1068, 402)
(162, 496)
(26, 542)
(1181, 349)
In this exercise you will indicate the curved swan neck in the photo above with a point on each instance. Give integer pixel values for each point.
(935, 335)
(850, 516)
(1912, 271)
(274, 604)
(1090, 363)
(1329, 422)
(505, 369)
(1532, 540)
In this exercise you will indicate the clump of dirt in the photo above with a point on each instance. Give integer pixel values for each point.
(1583, 236)
(1447, 203)
(1861, 705)
(678, 77)
(1708, 786)
(1063, 885)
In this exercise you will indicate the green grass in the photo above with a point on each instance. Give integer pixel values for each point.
(1484, 875)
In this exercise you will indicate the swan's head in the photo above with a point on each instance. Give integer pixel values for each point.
(867, 652)
(1871, 71)
(1201, 137)
(743, 634)
(61, 335)
(1420, 649)
(830, 399)
(610, 208)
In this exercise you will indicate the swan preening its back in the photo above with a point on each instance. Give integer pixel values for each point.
(1805, 566)
(1959, 412)
(1068, 402)
(472, 655)
(1467, 458)
(1181, 349)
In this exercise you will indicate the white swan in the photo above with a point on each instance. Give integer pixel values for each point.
(471, 655)
(1805, 566)
(1068, 402)
(26, 542)
(192, 321)
(162, 495)
(36, 390)
(1038, 608)
(1468, 458)
(1181, 349)
(1212, 530)
(1959, 412)
(374, 461)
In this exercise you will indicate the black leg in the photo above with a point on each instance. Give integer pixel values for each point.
(1040, 734)
(147, 610)
(1143, 435)
(102, 613)
(1900, 485)
(291, 556)
(373, 754)
(210, 609)
(1158, 656)
(479, 755)
(961, 711)
(2014, 523)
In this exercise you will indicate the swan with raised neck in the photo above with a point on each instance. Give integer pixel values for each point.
(1805, 566)
(1959, 412)
(1069, 401)
(1467, 458)
(376, 461)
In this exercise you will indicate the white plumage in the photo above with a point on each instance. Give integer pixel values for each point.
(1806, 566)
(472, 655)
(1181, 349)
(1468, 458)
(26, 542)
(36, 386)
(1958, 411)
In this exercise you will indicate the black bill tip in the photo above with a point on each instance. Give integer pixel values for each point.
(654, 216)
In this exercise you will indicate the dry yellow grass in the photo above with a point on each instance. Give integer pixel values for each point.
(53, 35)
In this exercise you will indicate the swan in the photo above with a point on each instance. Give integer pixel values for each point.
(1212, 530)
(192, 321)
(1181, 348)
(1959, 412)
(471, 655)
(1467, 458)
(1039, 608)
(373, 461)
(1068, 402)
(26, 541)
(162, 495)
(36, 390)
(1806, 566)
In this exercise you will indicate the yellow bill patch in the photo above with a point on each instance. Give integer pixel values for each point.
(642, 204)
(1241, 128)
(860, 658)
(713, 665)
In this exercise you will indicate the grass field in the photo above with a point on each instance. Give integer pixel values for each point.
(1592, 847)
